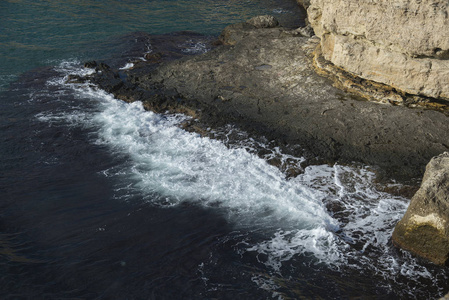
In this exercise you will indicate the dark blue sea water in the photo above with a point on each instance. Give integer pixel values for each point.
(100, 199)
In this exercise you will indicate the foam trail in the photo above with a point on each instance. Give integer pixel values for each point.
(168, 166)
(127, 66)
(331, 213)
(172, 166)
(180, 166)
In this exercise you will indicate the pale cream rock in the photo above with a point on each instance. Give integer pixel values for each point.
(401, 43)
(424, 229)
(429, 220)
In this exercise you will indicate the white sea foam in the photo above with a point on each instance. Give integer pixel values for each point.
(192, 47)
(281, 11)
(171, 166)
(5, 79)
(180, 166)
(332, 214)
(71, 67)
(127, 66)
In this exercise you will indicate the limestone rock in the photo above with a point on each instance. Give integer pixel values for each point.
(400, 43)
(306, 31)
(235, 33)
(424, 229)
(266, 84)
(263, 22)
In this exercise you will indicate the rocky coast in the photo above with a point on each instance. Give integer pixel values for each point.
(353, 92)
(264, 80)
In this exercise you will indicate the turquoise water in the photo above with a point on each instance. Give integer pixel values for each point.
(39, 33)
(100, 199)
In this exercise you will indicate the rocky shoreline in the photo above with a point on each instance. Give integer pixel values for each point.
(395, 52)
(264, 79)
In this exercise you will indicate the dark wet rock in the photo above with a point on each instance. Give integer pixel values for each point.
(102, 67)
(76, 79)
(90, 64)
(153, 57)
(263, 80)
(135, 46)
(424, 229)
(304, 3)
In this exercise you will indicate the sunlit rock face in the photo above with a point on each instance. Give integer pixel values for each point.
(424, 229)
(394, 51)
(400, 43)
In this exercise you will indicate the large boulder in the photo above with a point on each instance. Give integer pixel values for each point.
(263, 22)
(403, 44)
(424, 229)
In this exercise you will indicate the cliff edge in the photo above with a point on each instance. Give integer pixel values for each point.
(393, 51)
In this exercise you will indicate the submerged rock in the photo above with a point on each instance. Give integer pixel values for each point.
(424, 229)
(403, 45)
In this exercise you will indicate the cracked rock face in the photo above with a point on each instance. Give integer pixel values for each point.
(424, 229)
(400, 43)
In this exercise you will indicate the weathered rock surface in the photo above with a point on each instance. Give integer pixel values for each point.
(266, 82)
(424, 229)
(264, 22)
(400, 43)
(395, 51)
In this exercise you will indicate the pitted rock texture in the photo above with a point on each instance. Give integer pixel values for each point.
(263, 22)
(263, 80)
(424, 229)
(400, 43)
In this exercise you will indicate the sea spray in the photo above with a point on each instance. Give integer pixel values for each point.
(332, 215)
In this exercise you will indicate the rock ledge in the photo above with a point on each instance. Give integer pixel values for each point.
(263, 80)
(400, 45)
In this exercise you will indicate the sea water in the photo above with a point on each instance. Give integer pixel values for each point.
(100, 199)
